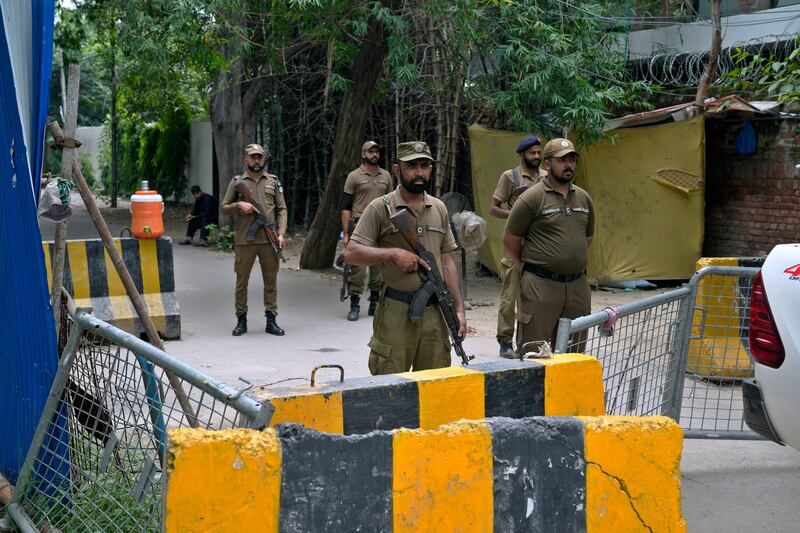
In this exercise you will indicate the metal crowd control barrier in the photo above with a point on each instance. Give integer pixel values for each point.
(97, 459)
(680, 354)
(717, 354)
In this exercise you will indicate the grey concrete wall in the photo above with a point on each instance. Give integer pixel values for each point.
(696, 37)
(201, 160)
(91, 138)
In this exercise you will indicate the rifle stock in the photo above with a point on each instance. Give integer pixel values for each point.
(432, 283)
(261, 221)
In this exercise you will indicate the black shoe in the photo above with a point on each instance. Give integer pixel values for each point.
(374, 297)
(241, 325)
(185, 243)
(272, 326)
(506, 350)
(355, 308)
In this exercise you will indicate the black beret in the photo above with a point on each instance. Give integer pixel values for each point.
(527, 142)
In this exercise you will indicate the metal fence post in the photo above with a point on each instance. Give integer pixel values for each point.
(680, 348)
(563, 335)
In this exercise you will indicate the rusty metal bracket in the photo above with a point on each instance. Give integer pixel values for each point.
(314, 372)
(66, 142)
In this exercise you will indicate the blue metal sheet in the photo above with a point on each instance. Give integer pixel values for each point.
(27, 334)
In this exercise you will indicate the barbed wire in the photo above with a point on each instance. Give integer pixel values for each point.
(683, 69)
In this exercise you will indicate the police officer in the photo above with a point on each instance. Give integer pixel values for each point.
(267, 190)
(512, 183)
(364, 184)
(548, 233)
(397, 344)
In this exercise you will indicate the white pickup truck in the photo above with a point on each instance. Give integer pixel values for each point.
(772, 398)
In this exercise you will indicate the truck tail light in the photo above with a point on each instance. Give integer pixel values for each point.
(765, 341)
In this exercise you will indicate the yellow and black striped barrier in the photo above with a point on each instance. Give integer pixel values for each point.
(92, 280)
(715, 348)
(566, 384)
(565, 474)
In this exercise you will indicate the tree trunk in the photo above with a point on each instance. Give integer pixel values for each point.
(233, 109)
(226, 123)
(713, 56)
(320, 246)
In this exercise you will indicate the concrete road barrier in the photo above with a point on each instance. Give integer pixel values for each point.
(718, 352)
(92, 280)
(567, 384)
(563, 474)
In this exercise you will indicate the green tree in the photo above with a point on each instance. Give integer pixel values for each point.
(769, 77)
(308, 75)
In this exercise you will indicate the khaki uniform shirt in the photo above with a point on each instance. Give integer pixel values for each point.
(269, 193)
(433, 231)
(554, 228)
(365, 187)
(506, 188)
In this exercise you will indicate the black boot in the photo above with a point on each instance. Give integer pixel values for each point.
(374, 296)
(241, 325)
(272, 327)
(352, 316)
(506, 350)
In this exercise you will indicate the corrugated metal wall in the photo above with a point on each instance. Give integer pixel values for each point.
(27, 334)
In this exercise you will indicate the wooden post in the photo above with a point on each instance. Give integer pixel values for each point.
(130, 287)
(713, 56)
(67, 157)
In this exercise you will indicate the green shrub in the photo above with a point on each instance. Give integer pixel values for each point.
(222, 238)
(87, 168)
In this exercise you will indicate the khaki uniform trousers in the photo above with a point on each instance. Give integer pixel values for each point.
(506, 313)
(358, 274)
(398, 345)
(243, 264)
(543, 301)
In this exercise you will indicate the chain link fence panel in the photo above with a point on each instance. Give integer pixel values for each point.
(717, 354)
(638, 346)
(97, 461)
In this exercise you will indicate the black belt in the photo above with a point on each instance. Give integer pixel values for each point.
(544, 273)
(404, 296)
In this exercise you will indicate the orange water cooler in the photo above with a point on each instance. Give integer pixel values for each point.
(146, 209)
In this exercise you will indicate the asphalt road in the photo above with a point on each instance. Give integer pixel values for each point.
(727, 485)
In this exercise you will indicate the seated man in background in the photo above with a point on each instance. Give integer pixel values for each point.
(205, 212)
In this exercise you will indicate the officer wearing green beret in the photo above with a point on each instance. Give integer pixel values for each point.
(364, 184)
(512, 183)
(548, 234)
(397, 344)
(267, 190)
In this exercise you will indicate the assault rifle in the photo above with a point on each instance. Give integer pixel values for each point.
(344, 292)
(433, 285)
(261, 220)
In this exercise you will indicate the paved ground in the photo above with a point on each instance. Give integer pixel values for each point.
(727, 485)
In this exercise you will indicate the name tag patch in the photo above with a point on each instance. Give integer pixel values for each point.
(437, 229)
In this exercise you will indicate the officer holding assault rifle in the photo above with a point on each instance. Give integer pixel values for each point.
(407, 232)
